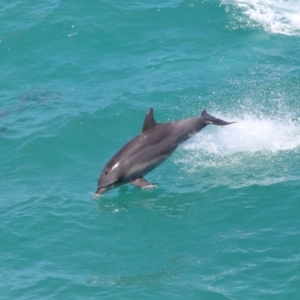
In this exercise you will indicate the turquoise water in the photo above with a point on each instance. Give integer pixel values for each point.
(76, 81)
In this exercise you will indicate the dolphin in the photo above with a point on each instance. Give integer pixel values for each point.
(150, 148)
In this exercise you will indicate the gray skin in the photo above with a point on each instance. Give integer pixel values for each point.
(150, 148)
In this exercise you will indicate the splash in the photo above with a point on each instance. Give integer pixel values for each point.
(249, 135)
(255, 150)
(275, 16)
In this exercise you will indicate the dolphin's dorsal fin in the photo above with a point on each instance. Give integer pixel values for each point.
(149, 120)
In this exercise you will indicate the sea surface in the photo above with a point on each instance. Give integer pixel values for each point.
(77, 78)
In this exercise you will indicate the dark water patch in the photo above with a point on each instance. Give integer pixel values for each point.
(39, 95)
(2, 129)
(3, 114)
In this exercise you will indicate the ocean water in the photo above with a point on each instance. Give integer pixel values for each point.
(77, 78)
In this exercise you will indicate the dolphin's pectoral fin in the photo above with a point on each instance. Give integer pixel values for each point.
(142, 183)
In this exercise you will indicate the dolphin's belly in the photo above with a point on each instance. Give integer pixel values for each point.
(145, 161)
(144, 153)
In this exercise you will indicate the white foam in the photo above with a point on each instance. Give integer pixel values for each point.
(249, 135)
(255, 150)
(276, 16)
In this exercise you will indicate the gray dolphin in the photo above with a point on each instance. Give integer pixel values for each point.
(150, 148)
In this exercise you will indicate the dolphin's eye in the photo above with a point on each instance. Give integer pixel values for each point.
(105, 172)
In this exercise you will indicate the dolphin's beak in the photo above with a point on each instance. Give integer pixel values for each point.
(99, 192)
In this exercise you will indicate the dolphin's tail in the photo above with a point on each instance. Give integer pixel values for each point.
(208, 119)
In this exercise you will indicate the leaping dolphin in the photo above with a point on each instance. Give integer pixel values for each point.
(150, 148)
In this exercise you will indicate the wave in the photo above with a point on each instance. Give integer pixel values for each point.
(275, 16)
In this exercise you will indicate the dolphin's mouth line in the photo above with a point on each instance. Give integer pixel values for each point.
(101, 190)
